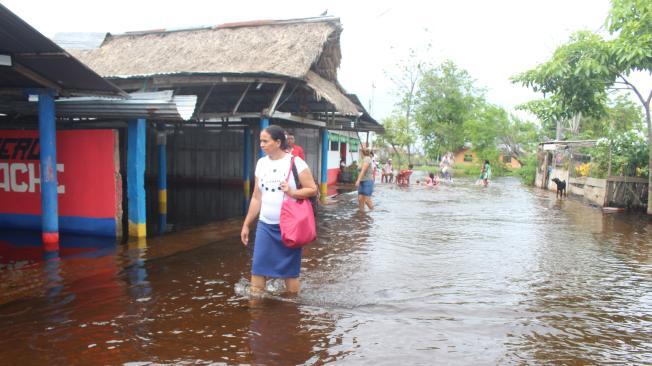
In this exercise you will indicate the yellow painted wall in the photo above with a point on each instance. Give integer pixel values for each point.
(459, 157)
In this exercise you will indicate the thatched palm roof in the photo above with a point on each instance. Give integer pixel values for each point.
(284, 48)
(304, 49)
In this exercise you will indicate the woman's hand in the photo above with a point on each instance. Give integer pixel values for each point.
(244, 235)
(285, 187)
(357, 183)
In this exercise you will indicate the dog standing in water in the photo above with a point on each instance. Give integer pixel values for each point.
(561, 188)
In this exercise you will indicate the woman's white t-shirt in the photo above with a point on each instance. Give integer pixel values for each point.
(270, 174)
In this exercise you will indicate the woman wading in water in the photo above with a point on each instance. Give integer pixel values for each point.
(365, 182)
(272, 259)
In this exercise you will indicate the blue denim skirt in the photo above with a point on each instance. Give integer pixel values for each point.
(271, 257)
(366, 187)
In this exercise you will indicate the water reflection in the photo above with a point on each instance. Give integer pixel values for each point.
(458, 273)
(274, 339)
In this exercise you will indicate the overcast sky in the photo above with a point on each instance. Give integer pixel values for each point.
(493, 40)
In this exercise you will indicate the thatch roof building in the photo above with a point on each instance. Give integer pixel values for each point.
(283, 69)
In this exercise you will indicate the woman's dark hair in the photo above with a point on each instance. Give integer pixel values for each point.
(487, 162)
(277, 133)
(432, 175)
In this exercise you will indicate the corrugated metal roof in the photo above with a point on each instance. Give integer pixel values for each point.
(157, 106)
(78, 40)
(39, 62)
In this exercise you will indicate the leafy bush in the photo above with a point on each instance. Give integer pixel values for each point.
(629, 155)
(528, 170)
(466, 170)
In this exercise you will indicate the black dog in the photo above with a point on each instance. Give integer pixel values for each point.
(561, 187)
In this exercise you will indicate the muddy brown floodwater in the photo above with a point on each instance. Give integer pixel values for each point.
(458, 274)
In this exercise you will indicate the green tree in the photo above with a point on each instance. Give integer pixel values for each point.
(621, 115)
(579, 72)
(398, 134)
(549, 114)
(493, 132)
(407, 79)
(446, 99)
(486, 125)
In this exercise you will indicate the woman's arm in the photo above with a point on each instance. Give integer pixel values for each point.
(252, 214)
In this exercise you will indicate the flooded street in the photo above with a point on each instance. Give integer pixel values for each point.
(458, 274)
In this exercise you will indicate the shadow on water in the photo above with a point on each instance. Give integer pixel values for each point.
(458, 273)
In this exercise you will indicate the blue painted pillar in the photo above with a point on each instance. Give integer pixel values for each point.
(136, 177)
(49, 200)
(264, 123)
(246, 143)
(325, 147)
(161, 143)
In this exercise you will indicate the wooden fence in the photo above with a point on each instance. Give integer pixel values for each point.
(624, 192)
(627, 192)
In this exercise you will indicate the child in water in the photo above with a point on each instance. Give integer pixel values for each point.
(485, 174)
(432, 180)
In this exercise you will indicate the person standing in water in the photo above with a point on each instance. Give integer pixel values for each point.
(365, 182)
(272, 259)
(485, 174)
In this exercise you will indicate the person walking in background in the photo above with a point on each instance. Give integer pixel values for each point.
(445, 166)
(485, 174)
(365, 181)
(272, 259)
(388, 172)
(295, 149)
(374, 165)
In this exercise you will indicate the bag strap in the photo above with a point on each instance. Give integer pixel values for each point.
(287, 178)
(297, 182)
(293, 170)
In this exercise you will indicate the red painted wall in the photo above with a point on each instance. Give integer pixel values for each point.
(332, 176)
(86, 165)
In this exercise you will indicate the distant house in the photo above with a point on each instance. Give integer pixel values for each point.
(466, 155)
(511, 161)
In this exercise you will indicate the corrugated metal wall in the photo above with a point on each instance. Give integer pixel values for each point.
(198, 154)
(204, 172)
(310, 141)
(215, 155)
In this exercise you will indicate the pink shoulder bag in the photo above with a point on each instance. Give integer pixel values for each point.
(297, 219)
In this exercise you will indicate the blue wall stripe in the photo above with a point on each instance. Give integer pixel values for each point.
(70, 224)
